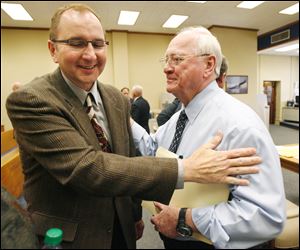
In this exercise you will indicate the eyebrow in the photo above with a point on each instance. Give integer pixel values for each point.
(80, 38)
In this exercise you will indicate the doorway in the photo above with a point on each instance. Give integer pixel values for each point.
(270, 91)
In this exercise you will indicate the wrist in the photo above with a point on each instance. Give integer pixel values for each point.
(182, 228)
(189, 220)
(187, 177)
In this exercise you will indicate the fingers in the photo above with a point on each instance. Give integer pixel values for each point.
(158, 206)
(240, 152)
(236, 181)
(215, 141)
(242, 170)
(245, 161)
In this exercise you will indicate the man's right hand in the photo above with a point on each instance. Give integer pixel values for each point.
(207, 165)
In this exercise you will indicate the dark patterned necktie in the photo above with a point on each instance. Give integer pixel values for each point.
(98, 130)
(180, 125)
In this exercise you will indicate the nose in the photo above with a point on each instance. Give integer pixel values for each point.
(168, 68)
(89, 51)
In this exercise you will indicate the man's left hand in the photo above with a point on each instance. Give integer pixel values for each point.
(166, 220)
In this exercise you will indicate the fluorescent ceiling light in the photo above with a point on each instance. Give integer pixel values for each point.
(16, 11)
(197, 1)
(290, 10)
(288, 48)
(174, 21)
(128, 17)
(249, 4)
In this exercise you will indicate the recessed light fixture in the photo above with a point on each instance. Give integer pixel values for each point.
(16, 11)
(128, 17)
(249, 4)
(290, 10)
(288, 48)
(174, 21)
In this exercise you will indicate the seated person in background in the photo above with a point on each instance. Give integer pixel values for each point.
(16, 226)
(140, 108)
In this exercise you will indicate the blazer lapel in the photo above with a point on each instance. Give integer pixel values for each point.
(75, 107)
(114, 116)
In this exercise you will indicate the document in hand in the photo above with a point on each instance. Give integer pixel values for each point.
(194, 195)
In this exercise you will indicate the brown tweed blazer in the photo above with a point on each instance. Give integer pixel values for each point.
(69, 182)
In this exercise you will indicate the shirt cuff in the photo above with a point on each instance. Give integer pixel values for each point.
(180, 180)
(137, 132)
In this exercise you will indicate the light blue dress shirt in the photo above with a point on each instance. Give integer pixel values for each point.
(256, 212)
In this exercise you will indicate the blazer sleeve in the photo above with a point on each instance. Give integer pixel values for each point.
(53, 141)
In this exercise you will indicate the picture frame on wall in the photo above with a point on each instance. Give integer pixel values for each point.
(236, 84)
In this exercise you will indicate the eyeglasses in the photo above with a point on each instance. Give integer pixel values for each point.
(175, 60)
(81, 43)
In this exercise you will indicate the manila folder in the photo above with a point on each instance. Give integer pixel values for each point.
(193, 195)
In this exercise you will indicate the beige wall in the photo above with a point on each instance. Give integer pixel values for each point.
(24, 55)
(239, 47)
(284, 69)
(145, 50)
(133, 59)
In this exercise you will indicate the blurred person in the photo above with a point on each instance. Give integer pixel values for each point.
(126, 92)
(16, 85)
(17, 230)
(254, 214)
(168, 111)
(140, 108)
(223, 73)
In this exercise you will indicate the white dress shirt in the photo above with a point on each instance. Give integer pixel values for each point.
(256, 212)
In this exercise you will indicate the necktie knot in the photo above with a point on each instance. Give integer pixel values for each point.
(180, 125)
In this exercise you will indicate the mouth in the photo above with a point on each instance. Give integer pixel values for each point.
(87, 67)
(169, 80)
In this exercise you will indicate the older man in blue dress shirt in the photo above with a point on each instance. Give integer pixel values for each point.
(254, 214)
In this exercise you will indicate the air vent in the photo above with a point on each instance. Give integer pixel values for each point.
(281, 36)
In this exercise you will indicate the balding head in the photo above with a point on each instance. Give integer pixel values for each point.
(137, 91)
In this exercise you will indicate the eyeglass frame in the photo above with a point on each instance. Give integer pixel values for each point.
(179, 59)
(84, 43)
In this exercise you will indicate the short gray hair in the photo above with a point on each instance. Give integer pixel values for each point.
(207, 44)
(137, 89)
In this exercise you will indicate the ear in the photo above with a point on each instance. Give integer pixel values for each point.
(53, 51)
(210, 66)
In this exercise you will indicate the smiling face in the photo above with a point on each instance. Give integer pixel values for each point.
(193, 73)
(80, 65)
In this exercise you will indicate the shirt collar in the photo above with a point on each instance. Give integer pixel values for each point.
(193, 109)
(81, 93)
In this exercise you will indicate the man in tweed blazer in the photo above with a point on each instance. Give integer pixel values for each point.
(69, 182)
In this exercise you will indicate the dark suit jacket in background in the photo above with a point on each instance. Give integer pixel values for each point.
(140, 112)
(69, 182)
(167, 113)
